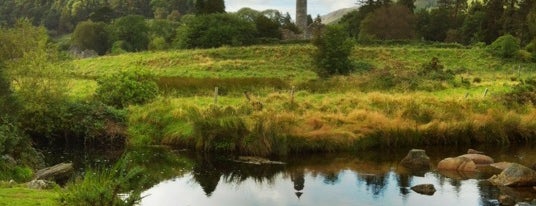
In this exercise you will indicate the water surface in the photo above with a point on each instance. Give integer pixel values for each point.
(366, 178)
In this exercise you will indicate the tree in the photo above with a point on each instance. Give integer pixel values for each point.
(505, 46)
(209, 6)
(214, 30)
(410, 4)
(266, 28)
(92, 36)
(133, 31)
(433, 25)
(389, 22)
(333, 49)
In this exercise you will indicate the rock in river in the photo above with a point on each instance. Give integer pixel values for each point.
(515, 175)
(425, 189)
(479, 158)
(472, 151)
(458, 164)
(416, 159)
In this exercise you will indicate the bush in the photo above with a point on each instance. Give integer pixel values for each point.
(333, 51)
(434, 70)
(91, 35)
(75, 123)
(505, 46)
(126, 88)
(118, 47)
(158, 43)
(523, 93)
(105, 187)
(215, 30)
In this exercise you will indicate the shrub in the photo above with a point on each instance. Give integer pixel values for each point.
(119, 47)
(523, 93)
(333, 51)
(158, 43)
(505, 46)
(91, 35)
(434, 70)
(104, 187)
(126, 88)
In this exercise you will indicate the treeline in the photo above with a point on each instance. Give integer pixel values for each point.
(455, 21)
(209, 28)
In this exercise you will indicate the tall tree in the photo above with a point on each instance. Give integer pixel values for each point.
(410, 4)
(210, 6)
(389, 22)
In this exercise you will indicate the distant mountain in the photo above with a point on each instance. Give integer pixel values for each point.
(336, 15)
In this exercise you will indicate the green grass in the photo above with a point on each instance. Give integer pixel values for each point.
(22, 196)
(359, 111)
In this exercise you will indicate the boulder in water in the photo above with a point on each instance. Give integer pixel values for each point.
(416, 159)
(515, 175)
(506, 200)
(479, 158)
(472, 151)
(501, 165)
(457, 164)
(425, 189)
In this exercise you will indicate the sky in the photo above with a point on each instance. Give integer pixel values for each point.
(315, 7)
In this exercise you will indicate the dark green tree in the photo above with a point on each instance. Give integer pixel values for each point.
(209, 6)
(388, 22)
(133, 31)
(410, 4)
(333, 48)
(267, 28)
(215, 30)
(92, 36)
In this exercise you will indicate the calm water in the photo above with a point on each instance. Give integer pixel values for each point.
(372, 178)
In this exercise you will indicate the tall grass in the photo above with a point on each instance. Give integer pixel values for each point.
(335, 122)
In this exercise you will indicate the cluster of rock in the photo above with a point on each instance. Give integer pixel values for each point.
(507, 174)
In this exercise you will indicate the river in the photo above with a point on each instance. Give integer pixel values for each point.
(371, 178)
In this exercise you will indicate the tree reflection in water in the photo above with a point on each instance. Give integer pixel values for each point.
(377, 174)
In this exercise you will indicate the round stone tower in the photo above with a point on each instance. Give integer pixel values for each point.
(301, 16)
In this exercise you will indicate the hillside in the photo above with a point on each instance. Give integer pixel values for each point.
(334, 16)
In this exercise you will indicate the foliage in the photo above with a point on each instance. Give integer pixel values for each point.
(16, 145)
(132, 30)
(158, 43)
(92, 36)
(333, 51)
(522, 94)
(434, 70)
(388, 22)
(105, 187)
(215, 30)
(267, 28)
(209, 6)
(127, 88)
(505, 46)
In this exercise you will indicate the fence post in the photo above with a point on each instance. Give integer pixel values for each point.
(216, 95)
(292, 95)
(486, 92)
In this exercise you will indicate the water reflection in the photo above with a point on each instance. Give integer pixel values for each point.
(337, 179)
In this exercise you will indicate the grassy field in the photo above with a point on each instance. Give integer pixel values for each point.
(383, 104)
(22, 196)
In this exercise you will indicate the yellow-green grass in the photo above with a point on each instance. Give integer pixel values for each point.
(22, 196)
(326, 115)
(331, 122)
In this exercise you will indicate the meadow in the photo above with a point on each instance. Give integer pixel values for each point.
(393, 99)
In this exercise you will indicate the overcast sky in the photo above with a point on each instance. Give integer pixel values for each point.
(314, 6)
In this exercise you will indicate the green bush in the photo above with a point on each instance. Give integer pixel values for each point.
(434, 70)
(91, 35)
(523, 93)
(505, 46)
(133, 31)
(118, 47)
(104, 187)
(126, 88)
(333, 51)
(215, 30)
(158, 43)
(75, 123)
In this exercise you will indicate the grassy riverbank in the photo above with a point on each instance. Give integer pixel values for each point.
(391, 100)
(22, 196)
